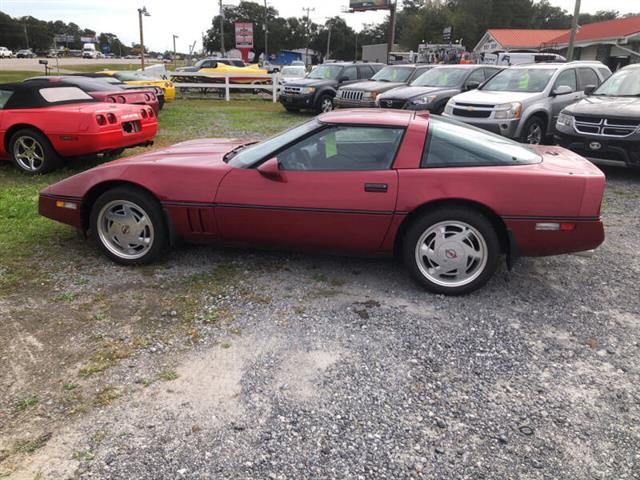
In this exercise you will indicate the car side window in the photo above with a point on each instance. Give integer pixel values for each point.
(568, 79)
(5, 95)
(207, 64)
(453, 144)
(344, 148)
(587, 77)
(490, 72)
(350, 72)
(365, 72)
(604, 72)
(476, 76)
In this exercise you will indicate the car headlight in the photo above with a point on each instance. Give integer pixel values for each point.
(372, 95)
(448, 109)
(307, 90)
(564, 119)
(508, 110)
(423, 100)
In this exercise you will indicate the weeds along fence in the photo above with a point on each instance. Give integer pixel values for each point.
(223, 83)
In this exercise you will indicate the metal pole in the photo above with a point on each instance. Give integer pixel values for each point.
(175, 59)
(141, 39)
(392, 34)
(574, 30)
(306, 54)
(355, 55)
(326, 57)
(221, 29)
(266, 33)
(26, 36)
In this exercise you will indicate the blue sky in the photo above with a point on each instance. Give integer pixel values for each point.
(189, 18)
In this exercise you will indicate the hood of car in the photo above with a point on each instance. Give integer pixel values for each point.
(606, 106)
(486, 97)
(373, 86)
(408, 92)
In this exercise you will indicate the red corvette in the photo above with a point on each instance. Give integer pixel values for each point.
(450, 198)
(103, 92)
(40, 124)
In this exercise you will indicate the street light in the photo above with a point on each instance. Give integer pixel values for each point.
(142, 11)
(175, 59)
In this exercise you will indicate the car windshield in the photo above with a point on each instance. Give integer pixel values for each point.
(131, 76)
(624, 83)
(520, 80)
(89, 84)
(293, 72)
(393, 74)
(245, 156)
(326, 72)
(441, 77)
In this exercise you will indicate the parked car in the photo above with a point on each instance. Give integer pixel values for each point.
(102, 91)
(211, 63)
(508, 59)
(114, 82)
(41, 124)
(25, 53)
(523, 102)
(364, 94)
(605, 126)
(432, 90)
(140, 79)
(292, 73)
(5, 52)
(389, 193)
(317, 89)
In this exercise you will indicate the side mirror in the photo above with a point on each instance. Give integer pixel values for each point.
(589, 89)
(270, 169)
(472, 85)
(343, 79)
(561, 90)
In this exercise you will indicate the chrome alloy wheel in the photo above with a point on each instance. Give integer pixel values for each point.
(28, 153)
(534, 134)
(125, 229)
(326, 105)
(451, 253)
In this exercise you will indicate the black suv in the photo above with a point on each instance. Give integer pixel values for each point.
(317, 89)
(605, 126)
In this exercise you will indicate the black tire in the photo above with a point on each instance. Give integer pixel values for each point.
(533, 128)
(42, 147)
(322, 105)
(145, 203)
(292, 110)
(457, 216)
(114, 153)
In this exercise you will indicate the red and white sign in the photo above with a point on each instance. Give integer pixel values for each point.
(244, 35)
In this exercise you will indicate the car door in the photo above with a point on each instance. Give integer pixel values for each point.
(587, 77)
(365, 72)
(334, 189)
(559, 102)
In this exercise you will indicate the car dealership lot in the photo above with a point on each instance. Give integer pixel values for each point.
(246, 364)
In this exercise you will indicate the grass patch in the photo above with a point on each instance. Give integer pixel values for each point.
(30, 446)
(70, 386)
(106, 396)
(16, 75)
(109, 355)
(65, 297)
(167, 375)
(90, 68)
(26, 403)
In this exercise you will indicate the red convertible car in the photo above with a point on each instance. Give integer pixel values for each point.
(449, 198)
(41, 123)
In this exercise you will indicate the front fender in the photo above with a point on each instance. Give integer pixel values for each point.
(537, 108)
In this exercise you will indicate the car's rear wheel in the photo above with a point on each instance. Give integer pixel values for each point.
(533, 132)
(128, 225)
(32, 152)
(325, 104)
(451, 250)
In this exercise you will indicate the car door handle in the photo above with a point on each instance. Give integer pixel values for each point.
(376, 187)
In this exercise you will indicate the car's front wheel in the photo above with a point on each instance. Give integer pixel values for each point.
(452, 250)
(32, 152)
(128, 225)
(533, 131)
(325, 104)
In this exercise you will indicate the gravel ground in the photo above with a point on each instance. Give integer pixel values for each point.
(314, 367)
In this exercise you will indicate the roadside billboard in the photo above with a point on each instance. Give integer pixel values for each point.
(361, 5)
(244, 35)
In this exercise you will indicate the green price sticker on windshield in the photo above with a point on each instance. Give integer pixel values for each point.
(330, 146)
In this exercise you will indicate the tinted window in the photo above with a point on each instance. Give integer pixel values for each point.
(365, 72)
(477, 76)
(344, 148)
(567, 79)
(419, 71)
(350, 73)
(587, 77)
(441, 77)
(490, 72)
(604, 73)
(393, 74)
(4, 97)
(325, 72)
(520, 80)
(454, 144)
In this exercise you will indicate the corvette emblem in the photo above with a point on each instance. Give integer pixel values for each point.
(125, 229)
(595, 145)
(450, 253)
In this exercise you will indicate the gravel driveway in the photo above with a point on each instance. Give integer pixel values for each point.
(322, 367)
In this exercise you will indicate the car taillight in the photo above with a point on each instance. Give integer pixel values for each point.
(121, 99)
(101, 120)
(111, 99)
(111, 118)
(144, 113)
(147, 97)
(151, 114)
(153, 97)
(167, 84)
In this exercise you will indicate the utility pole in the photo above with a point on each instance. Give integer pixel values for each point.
(142, 11)
(392, 28)
(175, 59)
(306, 55)
(26, 35)
(355, 55)
(326, 57)
(266, 33)
(574, 30)
(221, 29)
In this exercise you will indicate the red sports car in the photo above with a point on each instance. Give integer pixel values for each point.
(40, 124)
(447, 197)
(103, 92)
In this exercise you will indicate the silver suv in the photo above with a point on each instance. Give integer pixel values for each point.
(523, 102)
